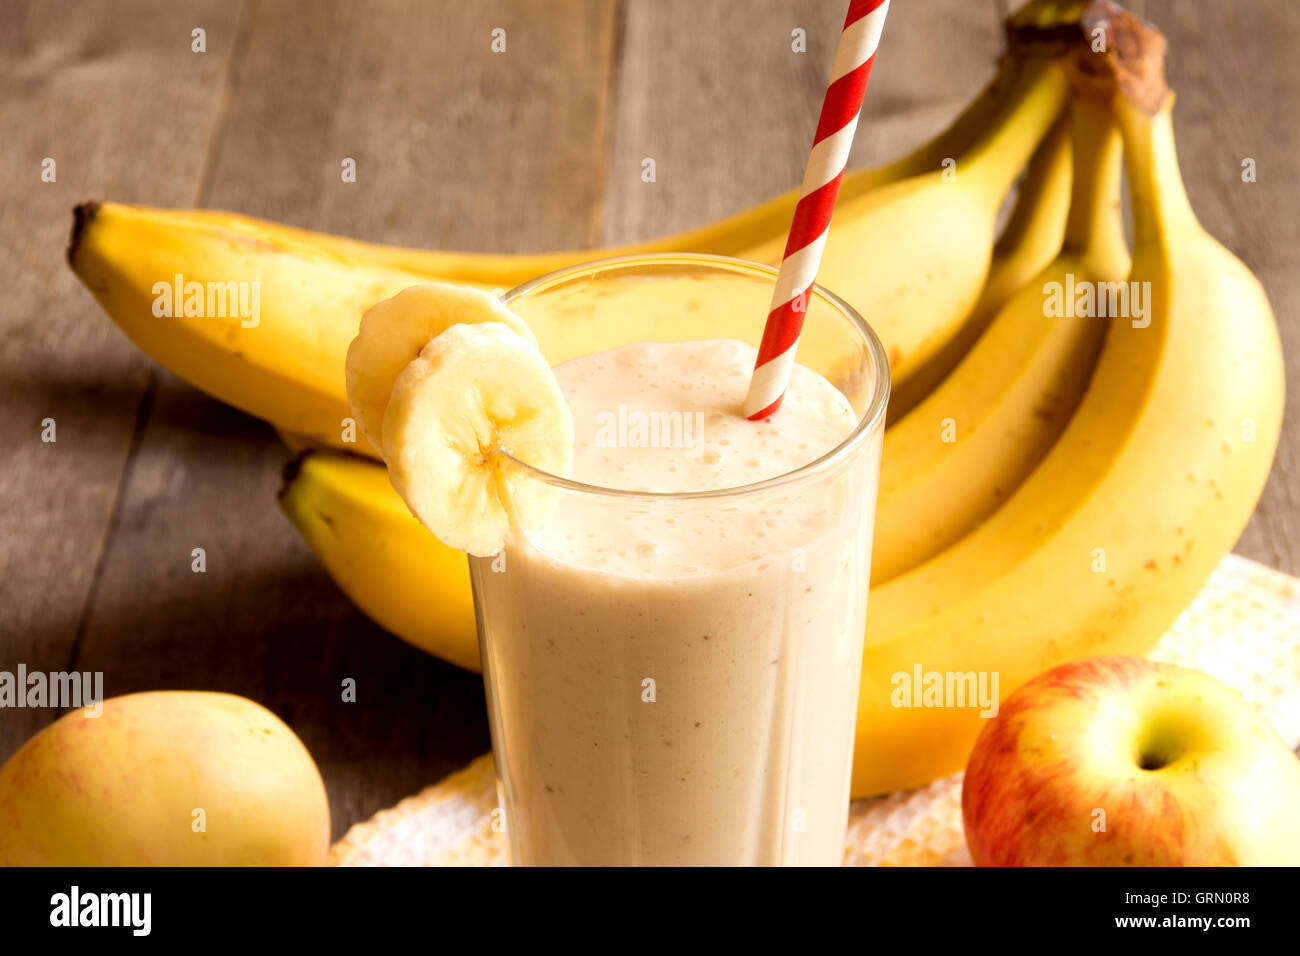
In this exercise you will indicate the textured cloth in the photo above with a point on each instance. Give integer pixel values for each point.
(1243, 628)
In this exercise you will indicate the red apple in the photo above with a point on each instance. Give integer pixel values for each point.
(1120, 761)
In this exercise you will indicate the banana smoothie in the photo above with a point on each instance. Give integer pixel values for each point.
(672, 667)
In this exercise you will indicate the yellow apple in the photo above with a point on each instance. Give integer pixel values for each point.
(172, 778)
(1120, 761)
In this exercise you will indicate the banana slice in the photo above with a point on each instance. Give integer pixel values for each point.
(393, 332)
(475, 390)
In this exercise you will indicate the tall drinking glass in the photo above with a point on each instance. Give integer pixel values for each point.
(673, 678)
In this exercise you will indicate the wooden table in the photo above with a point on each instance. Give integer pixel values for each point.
(455, 146)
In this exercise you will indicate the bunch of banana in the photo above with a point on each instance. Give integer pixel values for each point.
(951, 461)
(1115, 530)
(1128, 451)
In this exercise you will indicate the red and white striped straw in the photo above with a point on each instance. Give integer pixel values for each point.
(812, 215)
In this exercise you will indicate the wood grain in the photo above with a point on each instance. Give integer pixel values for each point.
(82, 86)
(456, 146)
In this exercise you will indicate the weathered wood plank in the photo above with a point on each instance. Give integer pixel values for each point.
(1232, 66)
(113, 94)
(509, 154)
(456, 146)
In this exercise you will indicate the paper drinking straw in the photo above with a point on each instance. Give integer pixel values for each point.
(812, 215)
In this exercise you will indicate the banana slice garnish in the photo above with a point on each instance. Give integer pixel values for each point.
(393, 332)
(474, 392)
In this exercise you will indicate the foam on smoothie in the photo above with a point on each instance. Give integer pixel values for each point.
(628, 403)
(666, 417)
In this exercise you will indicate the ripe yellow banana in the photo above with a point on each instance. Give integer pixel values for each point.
(394, 570)
(1111, 536)
(1028, 243)
(962, 452)
(261, 324)
(913, 252)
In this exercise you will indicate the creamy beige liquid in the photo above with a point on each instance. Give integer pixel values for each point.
(675, 682)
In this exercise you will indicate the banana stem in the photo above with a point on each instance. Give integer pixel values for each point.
(1160, 203)
(996, 158)
(1094, 220)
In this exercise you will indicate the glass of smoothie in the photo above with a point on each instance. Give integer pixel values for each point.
(672, 657)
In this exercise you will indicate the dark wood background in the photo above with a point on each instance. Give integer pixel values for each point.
(536, 149)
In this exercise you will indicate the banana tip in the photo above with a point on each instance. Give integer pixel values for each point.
(1133, 53)
(82, 215)
(290, 471)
